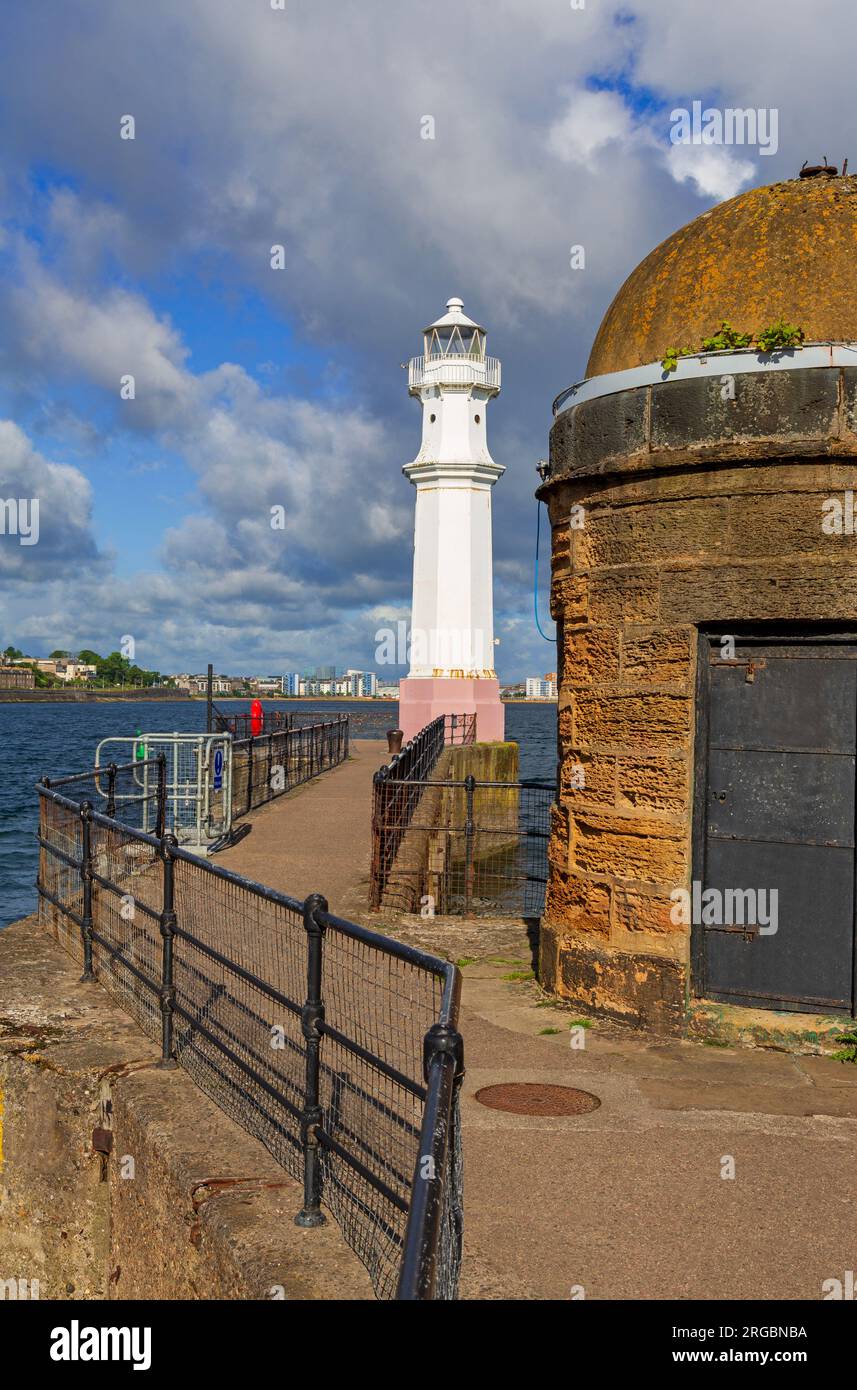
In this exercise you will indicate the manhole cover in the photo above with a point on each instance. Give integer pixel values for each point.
(531, 1098)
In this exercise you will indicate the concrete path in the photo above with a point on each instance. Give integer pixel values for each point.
(628, 1201)
(317, 839)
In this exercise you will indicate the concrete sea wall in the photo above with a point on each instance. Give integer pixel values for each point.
(119, 1179)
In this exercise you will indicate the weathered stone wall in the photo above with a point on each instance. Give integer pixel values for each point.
(696, 511)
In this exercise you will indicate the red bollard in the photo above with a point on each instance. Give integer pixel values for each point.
(257, 718)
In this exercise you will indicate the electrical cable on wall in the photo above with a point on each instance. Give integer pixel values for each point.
(536, 577)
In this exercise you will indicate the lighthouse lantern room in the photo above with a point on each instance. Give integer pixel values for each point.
(452, 620)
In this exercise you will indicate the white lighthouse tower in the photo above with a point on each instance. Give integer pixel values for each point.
(452, 620)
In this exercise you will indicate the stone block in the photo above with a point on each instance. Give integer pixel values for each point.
(635, 911)
(644, 990)
(766, 406)
(578, 903)
(660, 530)
(632, 720)
(784, 590)
(660, 657)
(624, 597)
(591, 654)
(658, 782)
(597, 774)
(642, 849)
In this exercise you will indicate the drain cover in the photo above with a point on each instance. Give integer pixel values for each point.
(531, 1098)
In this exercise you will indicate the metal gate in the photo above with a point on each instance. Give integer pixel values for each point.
(198, 782)
(774, 857)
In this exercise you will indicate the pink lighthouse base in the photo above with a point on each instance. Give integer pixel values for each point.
(423, 698)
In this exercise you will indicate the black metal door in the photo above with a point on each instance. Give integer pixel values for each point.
(775, 814)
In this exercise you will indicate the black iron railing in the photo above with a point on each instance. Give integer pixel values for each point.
(460, 847)
(398, 789)
(266, 765)
(244, 725)
(334, 1046)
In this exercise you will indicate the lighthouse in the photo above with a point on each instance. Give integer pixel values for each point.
(452, 617)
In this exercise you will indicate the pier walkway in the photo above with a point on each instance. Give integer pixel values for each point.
(317, 838)
(630, 1200)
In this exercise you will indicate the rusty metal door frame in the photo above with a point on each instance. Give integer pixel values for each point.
(793, 636)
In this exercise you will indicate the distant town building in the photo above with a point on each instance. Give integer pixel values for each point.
(198, 685)
(16, 678)
(360, 683)
(74, 670)
(543, 688)
(293, 685)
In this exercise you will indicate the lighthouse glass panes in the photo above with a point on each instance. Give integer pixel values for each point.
(454, 341)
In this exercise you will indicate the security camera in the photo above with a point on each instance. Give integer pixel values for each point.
(543, 469)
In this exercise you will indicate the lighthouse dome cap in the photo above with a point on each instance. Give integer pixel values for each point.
(454, 317)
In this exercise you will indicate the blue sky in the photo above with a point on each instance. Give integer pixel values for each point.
(257, 387)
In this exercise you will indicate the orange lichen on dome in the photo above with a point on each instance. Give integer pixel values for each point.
(788, 250)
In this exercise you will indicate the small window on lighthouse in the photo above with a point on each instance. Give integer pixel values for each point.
(434, 417)
(476, 418)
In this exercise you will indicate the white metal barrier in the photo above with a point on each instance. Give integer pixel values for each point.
(198, 782)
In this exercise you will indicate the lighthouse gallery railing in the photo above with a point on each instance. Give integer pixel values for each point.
(334, 1046)
(454, 370)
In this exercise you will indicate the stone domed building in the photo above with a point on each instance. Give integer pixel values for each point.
(704, 586)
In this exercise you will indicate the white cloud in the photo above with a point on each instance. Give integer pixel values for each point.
(714, 169)
(62, 539)
(591, 122)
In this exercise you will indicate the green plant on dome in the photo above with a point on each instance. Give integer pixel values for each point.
(726, 338)
(775, 338)
(671, 356)
(778, 336)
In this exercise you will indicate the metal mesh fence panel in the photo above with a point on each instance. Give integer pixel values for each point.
(378, 1008)
(239, 974)
(266, 766)
(468, 848)
(60, 886)
(127, 897)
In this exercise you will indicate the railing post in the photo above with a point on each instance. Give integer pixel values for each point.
(377, 876)
(250, 774)
(469, 786)
(442, 1048)
(168, 927)
(110, 809)
(312, 1015)
(161, 801)
(86, 879)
